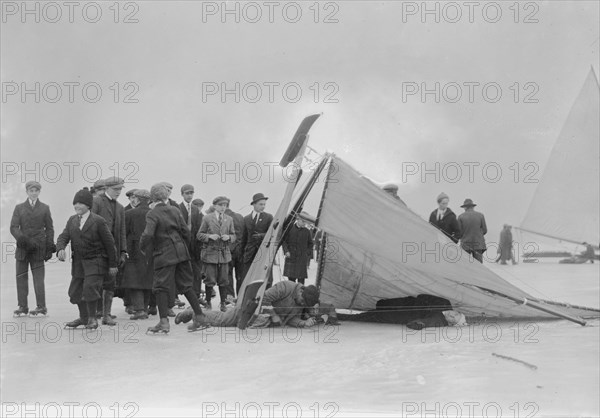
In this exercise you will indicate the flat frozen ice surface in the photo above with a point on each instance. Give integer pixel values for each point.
(552, 367)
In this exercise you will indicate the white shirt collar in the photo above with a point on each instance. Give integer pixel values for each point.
(254, 213)
(84, 219)
(109, 198)
(32, 202)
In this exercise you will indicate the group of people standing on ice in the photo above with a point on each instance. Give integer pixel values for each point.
(153, 250)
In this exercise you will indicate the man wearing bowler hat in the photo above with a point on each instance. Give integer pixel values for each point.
(113, 212)
(32, 227)
(256, 224)
(473, 228)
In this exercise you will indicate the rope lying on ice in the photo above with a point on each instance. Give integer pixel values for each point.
(531, 366)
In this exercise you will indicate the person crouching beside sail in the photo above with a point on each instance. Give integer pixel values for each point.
(94, 257)
(168, 235)
(444, 219)
(216, 233)
(284, 302)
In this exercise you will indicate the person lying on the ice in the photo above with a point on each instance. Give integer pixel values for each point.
(283, 304)
(588, 254)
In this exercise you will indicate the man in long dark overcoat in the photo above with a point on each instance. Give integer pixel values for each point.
(298, 249)
(138, 272)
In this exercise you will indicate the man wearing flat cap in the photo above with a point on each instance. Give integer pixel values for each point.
(32, 227)
(193, 219)
(256, 225)
(167, 236)
(99, 188)
(392, 190)
(169, 187)
(94, 257)
(473, 228)
(113, 213)
(216, 234)
(130, 196)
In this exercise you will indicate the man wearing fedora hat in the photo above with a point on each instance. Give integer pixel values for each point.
(216, 235)
(256, 225)
(473, 228)
(32, 227)
(112, 211)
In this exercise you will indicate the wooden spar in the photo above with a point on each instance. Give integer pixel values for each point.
(532, 304)
(263, 261)
(550, 236)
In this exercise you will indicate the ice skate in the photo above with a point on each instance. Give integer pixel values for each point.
(20, 312)
(75, 323)
(39, 311)
(162, 327)
(139, 315)
(199, 323)
(92, 323)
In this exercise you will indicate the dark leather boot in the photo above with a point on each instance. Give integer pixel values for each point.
(107, 298)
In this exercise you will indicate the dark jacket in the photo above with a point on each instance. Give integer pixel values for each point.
(473, 228)
(94, 241)
(166, 235)
(216, 252)
(138, 269)
(254, 232)
(238, 224)
(282, 296)
(195, 246)
(114, 215)
(33, 230)
(299, 243)
(448, 224)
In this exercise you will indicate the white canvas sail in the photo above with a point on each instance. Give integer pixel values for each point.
(377, 248)
(566, 203)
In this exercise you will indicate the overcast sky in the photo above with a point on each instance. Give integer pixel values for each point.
(370, 56)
